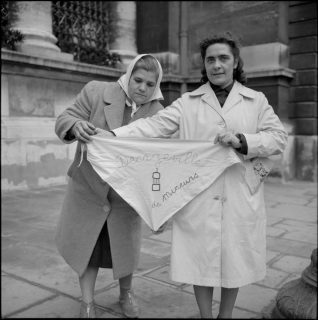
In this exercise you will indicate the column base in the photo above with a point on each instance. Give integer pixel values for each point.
(41, 44)
(125, 55)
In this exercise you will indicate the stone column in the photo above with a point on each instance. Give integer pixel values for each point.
(124, 31)
(34, 21)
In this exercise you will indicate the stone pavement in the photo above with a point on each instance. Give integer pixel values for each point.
(37, 283)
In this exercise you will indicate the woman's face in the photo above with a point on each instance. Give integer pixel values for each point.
(142, 85)
(219, 64)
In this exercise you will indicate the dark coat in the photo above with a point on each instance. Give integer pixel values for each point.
(86, 207)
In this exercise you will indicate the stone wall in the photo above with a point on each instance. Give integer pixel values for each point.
(34, 91)
(303, 93)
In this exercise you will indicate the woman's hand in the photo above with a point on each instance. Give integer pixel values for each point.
(82, 130)
(227, 138)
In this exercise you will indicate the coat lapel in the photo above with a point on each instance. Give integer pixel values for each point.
(236, 96)
(233, 98)
(209, 97)
(115, 100)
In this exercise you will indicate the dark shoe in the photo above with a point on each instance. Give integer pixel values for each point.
(87, 310)
(129, 305)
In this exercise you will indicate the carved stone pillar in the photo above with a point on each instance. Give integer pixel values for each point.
(124, 31)
(34, 21)
(297, 299)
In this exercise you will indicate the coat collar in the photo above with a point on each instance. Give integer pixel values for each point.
(114, 97)
(206, 89)
(235, 96)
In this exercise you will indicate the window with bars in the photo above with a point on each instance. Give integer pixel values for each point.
(83, 28)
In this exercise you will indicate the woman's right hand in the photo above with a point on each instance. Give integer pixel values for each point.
(82, 130)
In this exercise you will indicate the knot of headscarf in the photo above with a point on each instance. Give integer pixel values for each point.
(124, 82)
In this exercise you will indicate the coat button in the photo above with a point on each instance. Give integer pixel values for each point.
(216, 198)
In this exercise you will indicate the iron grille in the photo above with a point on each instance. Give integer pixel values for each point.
(83, 28)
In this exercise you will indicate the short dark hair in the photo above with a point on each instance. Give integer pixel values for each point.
(147, 63)
(229, 39)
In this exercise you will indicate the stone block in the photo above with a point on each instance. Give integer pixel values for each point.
(163, 274)
(291, 264)
(274, 232)
(305, 110)
(294, 211)
(17, 294)
(59, 307)
(251, 297)
(306, 157)
(303, 61)
(305, 77)
(237, 313)
(155, 248)
(300, 94)
(273, 278)
(303, 11)
(302, 28)
(270, 255)
(306, 126)
(303, 45)
(155, 300)
(290, 247)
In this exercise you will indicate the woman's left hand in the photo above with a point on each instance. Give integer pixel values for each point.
(227, 138)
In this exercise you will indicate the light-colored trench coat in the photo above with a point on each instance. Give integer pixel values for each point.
(219, 238)
(86, 207)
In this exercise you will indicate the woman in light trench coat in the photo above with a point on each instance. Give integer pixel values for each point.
(219, 238)
(96, 227)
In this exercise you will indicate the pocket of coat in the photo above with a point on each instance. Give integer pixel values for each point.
(256, 171)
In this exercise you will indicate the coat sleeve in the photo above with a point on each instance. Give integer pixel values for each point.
(271, 137)
(79, 110)
(161, 125)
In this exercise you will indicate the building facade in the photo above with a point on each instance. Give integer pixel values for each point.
(279, 50)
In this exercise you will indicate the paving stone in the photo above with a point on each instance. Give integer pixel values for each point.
(291, 264)
(310, 236)
(290, 247)
(296, 212)
(251, 298)
(47, 269)
(312, 203)
(291, 277)
(17, 294)
(273, 278)
(155, 300)
(286, 198)
(237, 313)
(298, 223)
(148, 262)
(271, 255)
(271, 219)
(163, 274)
(60, 307)
(274, 232)
(155, 248)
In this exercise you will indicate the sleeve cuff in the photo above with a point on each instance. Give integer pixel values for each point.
(244, 148)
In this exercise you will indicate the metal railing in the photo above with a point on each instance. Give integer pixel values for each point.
(83, 28)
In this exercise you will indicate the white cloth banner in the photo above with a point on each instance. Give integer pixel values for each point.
(158, 177)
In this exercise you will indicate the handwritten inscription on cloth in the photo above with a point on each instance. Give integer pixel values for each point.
(158, 177)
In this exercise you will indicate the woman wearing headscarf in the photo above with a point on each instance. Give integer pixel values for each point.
(97, 228)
